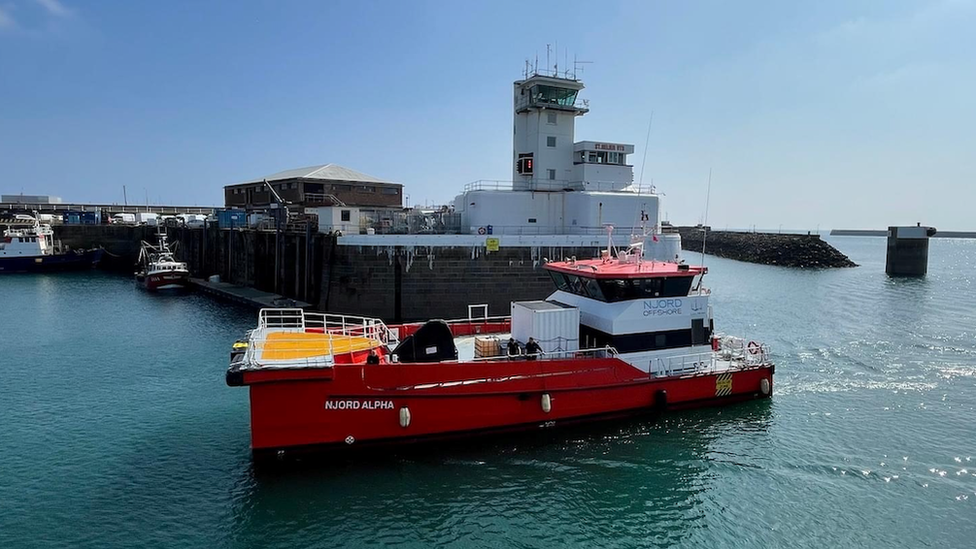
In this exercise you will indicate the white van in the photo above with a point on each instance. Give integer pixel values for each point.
(123, 218)
(146, 218)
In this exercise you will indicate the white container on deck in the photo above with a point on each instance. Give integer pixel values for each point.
(553, 325)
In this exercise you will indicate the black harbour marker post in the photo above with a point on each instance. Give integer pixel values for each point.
(908, 250)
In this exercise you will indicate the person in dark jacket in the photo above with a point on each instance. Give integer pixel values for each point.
(532, 349)
(513, 348)
(373, 358)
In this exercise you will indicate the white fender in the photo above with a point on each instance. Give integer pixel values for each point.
(764, 386)
(546, 403)
(404, 417)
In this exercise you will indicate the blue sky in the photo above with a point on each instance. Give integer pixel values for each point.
(831, 114)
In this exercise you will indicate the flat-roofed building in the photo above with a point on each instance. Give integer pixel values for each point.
(29, 199)
(324, 185)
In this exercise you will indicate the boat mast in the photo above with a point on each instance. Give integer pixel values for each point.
(708, 194)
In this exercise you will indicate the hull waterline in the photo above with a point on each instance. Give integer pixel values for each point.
(357, 409)
(70, 261)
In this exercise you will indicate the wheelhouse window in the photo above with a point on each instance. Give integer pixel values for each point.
(592, 288)
(559, 279)
(677, 286)
(622, 289)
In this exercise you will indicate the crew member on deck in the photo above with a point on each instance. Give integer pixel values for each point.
(513, 348)
(532, 349)
(373, 358)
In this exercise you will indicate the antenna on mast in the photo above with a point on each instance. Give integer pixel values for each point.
(555, 66)
(640, 182)
(708, 194)
(578, 67)
(647, 142)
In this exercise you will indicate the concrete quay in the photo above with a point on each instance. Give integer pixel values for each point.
(244, 295)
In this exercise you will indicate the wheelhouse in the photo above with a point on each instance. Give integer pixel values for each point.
(636, 306)
(612, 281)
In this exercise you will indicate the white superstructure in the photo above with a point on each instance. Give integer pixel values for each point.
(36, 240)
(561, 186)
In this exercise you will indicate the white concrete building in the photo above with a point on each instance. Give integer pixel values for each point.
(343, 219)
(559, 185)
(563, 192)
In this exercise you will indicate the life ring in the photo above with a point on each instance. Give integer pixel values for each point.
(482, 230)
(753, 348)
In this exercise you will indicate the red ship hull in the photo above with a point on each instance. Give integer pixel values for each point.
(348, 406)
(164, 281)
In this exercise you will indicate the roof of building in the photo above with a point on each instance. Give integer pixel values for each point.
(328, 172)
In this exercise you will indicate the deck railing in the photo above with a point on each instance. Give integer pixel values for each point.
(336, 324)
(595, 352)
(735, 351)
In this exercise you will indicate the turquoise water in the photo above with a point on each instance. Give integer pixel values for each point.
(118, 431)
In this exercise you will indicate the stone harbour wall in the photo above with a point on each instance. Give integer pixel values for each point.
(417, 284)
(787, 250)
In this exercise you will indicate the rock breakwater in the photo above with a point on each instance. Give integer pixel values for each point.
(786, 250)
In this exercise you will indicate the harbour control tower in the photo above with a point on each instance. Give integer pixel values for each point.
(561, 186)
(546, 156)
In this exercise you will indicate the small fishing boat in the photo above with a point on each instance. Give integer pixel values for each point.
(158, 270)
(620, 336)
(29, 246)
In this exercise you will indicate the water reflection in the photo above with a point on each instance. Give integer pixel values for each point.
(642, 479)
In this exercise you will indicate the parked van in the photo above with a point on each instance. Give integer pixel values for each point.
(123, 218)
(146, 218)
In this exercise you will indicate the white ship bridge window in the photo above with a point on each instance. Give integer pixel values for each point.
(551, 141)
(622, 289)
(551, 118)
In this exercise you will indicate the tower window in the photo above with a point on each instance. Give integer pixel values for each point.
(551, 118)
(551, 141)
(552, 174)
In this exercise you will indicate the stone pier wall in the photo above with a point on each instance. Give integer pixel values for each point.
(787, 250)
(399, 283)
(406, 284)
(392, 283)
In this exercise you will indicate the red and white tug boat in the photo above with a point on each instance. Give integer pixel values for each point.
(620, 336)
(158, 270)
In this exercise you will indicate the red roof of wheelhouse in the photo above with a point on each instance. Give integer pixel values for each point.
(615, 269)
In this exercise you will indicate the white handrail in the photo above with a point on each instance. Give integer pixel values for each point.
(337, 324)
(608, 350)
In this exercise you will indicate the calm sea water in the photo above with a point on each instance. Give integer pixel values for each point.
(116, 430)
